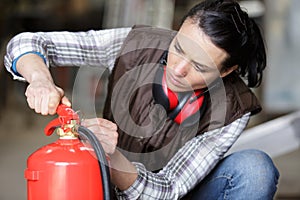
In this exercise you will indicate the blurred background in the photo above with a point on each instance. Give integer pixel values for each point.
(275, 130)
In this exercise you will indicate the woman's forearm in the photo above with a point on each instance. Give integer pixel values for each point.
(186, 168)
(123, 172)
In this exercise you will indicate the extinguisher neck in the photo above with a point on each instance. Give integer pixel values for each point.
(68, 131)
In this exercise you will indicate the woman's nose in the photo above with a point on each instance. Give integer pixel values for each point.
(181, 68)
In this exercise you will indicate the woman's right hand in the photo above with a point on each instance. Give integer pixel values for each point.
(44, 96)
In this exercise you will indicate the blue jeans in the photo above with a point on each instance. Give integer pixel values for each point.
(247, 174)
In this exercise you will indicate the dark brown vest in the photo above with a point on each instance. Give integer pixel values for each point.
(146, 134)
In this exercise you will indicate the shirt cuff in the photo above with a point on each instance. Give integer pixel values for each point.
(14, 63)
(136, 189)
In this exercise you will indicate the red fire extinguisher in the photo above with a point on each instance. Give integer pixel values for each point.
(67, 169)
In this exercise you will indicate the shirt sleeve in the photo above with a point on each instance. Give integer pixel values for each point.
(188, 167)
(92, 48)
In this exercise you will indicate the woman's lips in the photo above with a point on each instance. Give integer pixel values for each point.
(174, 81)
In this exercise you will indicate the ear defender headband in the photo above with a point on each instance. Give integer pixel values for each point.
(182, 107)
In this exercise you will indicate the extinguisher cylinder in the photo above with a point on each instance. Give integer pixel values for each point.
(64, 170)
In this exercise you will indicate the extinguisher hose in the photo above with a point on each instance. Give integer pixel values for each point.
(103, 164)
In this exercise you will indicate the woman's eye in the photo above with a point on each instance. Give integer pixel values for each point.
(200, 68)
(178, 48)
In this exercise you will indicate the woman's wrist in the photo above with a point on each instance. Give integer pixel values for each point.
(33, 68)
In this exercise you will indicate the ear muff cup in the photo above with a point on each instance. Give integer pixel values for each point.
(182, 107)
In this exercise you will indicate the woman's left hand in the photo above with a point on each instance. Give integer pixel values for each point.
(105, 131)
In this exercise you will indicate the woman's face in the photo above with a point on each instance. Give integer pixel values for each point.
(193, 60)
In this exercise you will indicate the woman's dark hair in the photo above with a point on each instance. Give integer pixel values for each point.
(231, 29)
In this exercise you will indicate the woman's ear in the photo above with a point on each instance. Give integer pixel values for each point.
(227, 71)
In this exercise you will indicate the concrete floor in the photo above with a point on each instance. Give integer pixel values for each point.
(21, 133)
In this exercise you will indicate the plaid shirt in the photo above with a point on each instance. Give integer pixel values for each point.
(94, 48)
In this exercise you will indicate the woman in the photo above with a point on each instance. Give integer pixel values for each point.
(176, 101)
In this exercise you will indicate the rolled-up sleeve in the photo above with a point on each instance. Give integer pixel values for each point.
(92, 48)
(188, 167)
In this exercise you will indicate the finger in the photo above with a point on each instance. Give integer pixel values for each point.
(89, 122)
(30, 102)
(97, 130)
(107, 124)
(100, 122)
(104, 133)
(54, 101)
(52, 105)
(30, 99)
(37, 104)
(108, 149)
(107, 138)
(44, 105)
(108, 146)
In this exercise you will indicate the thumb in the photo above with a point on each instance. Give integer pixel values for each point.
(66, 101)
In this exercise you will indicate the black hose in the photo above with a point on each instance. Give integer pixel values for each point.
(103, 164)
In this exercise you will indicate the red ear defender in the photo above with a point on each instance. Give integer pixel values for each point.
(183, 107)
(172, 97)
(190, 108)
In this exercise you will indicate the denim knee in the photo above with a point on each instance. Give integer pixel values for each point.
(257, 171)
(243, 175)
(254, 161)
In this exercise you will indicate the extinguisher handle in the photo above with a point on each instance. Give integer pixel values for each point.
(50, 128)
(65, 115)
